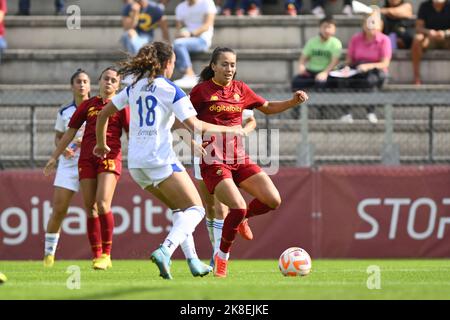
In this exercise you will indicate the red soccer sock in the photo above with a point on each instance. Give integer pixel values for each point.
(230, 228)
(107, 227)
(256, 208)
(95, 236)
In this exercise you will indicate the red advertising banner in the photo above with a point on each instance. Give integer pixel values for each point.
(141, 221)
(384, 212)
(332, 211)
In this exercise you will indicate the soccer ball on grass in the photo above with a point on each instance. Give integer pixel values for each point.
(294, 262)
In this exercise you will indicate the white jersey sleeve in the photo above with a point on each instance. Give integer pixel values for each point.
(247, 114)
(180, 104)
(120, 100)
(59, 124)
(183, 109)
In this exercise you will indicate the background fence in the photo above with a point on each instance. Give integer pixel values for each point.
(413, 127)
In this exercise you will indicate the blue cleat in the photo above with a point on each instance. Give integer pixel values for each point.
(161, 258)
(198, 268)
(211, 262)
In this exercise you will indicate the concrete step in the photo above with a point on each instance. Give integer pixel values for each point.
(104, 32)
(276, 66)
(109, 7)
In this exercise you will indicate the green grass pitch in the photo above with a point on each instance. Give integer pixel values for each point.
(248, 279)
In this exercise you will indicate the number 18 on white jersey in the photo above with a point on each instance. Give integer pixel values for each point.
(152, 113)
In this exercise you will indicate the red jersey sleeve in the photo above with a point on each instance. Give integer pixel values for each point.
(79, 116)
(252, 100)
(125, 118)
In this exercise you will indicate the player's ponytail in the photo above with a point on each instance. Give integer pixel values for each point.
(150, 62)
(207, 72)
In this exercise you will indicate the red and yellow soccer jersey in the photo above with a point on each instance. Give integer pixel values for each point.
(87, 112)
(223, 105)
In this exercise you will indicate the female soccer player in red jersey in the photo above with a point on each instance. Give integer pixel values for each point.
(66, 179)
(98, 176)
(219, 99)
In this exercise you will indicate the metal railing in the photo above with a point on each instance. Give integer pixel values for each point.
(413, 127)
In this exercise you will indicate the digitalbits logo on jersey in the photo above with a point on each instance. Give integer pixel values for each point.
(295, 262)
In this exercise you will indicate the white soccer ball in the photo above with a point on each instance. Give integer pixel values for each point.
(295, 262)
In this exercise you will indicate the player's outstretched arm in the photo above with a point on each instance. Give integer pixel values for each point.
(198, 126)
(101, 149)
(62, 145)
(272, 107)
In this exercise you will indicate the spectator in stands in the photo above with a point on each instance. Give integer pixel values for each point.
(194, 32)
(368, 55)
(3, 10)
(398, 23)
(432, 31)
(294, 6)
(250, 7)
(139, 19)
(320, 55)
(24, 7)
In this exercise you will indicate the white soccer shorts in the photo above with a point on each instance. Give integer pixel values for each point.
(153, 176)
(67, 178)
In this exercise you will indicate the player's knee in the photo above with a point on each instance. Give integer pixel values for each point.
(275, 202)
(102, 207)
(237, 204)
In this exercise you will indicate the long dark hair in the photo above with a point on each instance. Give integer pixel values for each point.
(207, 72)
(76, 74)
(107, 69)
(150, 61)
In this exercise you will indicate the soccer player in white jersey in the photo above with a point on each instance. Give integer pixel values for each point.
(66, 179)
(154, 102)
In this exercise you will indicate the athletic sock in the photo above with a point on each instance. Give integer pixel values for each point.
(210, 228)
(230, 228)
(183, 226)
(51, 242)
(223, 255)
(256, 208)
(188, 245)
(95, 236)
(218, 226)
(107, 228)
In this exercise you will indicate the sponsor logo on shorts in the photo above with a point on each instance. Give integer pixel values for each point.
(219, 172)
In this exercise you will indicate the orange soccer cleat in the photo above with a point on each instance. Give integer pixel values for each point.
(220, 267)
(245, 231)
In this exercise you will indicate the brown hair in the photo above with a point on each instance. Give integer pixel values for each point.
(207, 72)
(108, 68)
(150, 61)
(76, 74)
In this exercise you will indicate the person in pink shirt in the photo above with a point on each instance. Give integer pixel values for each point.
(3, 10)
(369, 52)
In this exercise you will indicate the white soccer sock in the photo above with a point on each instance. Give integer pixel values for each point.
(173, 239)
(183, 226)
(51, 242)
(188, 245)
(223, 255)
(218, 226)
(210, 228)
